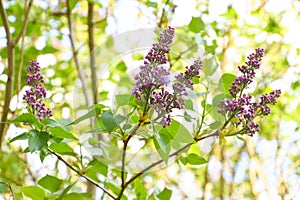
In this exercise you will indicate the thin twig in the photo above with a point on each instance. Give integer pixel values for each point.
(20, 66)
(126, 141)
(5, 21)
(80, 174)
(25, 22)
(161, 20)
(10, 189)
(75, 56)
(181, 54)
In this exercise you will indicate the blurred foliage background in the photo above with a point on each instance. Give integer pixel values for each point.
(61, 35)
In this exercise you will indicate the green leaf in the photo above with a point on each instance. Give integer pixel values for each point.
(43, 155)
(214, 110)
(225, 83)
(62, 148)
(110, 121)
(92, 113)
(196, 25)
(165, 194)
(189, 104)
(65, 191)
(98, 167)
(26, 117)
(121, 66)
(50, 183)
(162, 145)
(195, 159)
(50, 123)
(216, 100)
(33, 192)
(140, 191)
(37, 140)
(3, 188)
(22, 136)
(119, 118)
(72, 4)
(77, 196)
(210, 65)
(179, 132)
(124, 99)
(60, 132)
(109, 41)
(183, 160)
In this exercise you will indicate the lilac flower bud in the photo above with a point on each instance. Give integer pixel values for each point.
(252, 128)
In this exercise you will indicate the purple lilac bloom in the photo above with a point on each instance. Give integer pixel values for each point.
(34, 96)
(164, 102)
(248, 72)
(265, 100)
(242, 106)
(150, 81)
(152, 75)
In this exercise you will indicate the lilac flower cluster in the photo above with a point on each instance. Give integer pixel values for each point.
(248, 72)
(34, 96)
(242, 106)
(153, 76)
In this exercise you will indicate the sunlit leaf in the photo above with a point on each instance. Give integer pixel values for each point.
(60, 132)
(165, 194)
(195, 159)
(226, 82)
(140, 190)
(196, 25)
(26, 118)
(62, 148)
(162, 145)
(50, 183)
(33, 192)
(22, 136)
(210, 65)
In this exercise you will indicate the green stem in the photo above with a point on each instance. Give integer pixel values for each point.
(203, 114)
(147, 101)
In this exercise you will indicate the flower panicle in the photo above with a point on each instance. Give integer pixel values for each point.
(37, 92)
(248, 72)
(153, 77)
(244, 107)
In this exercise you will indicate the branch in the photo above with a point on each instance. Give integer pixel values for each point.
(10, 189)
(21, 57)
(126, 141)
(91, 49)
(180, 55)
(75, 56)
(5, 21)
(161, 20)
(25, 22)
(11, 64)
(80, 174)
(216, 133)
(10, 73)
